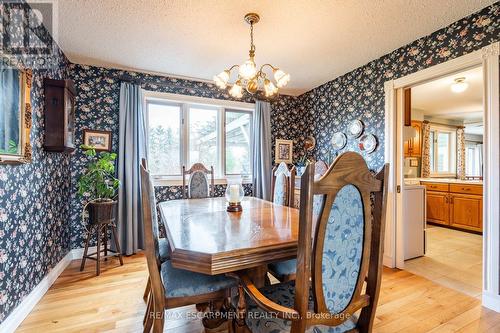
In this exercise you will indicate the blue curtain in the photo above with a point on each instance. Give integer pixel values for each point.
(261, 147)
(132, 148)
(9, 111)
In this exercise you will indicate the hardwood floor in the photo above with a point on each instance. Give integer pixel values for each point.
(112, 302)
(454, 259)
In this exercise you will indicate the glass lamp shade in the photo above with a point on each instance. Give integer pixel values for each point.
(221, 79)
(234, 190)
(236, 90)
(459, 86)
(269, 88)
(281, 78)
(248, 69)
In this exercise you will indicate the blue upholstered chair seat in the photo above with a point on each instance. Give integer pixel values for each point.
(282, 268)
(284, 294)
(182, 283)
(163, 248)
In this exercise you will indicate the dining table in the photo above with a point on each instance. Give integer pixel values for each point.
(205, 238)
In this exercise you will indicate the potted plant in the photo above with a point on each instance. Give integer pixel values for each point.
(99, 185)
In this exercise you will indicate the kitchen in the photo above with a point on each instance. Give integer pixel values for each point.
(443, 192)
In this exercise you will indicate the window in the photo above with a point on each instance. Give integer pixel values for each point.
(443, 151)
(164, 138)
(237, 126)
(183, 133)
(473, 159)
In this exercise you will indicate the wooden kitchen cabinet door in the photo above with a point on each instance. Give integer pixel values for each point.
(438, 207)
(413, 147)
(466, 211)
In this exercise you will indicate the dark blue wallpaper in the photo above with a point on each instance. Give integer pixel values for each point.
(34, 197)
(359, 94)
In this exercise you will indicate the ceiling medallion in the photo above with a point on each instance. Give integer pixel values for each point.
(248, 76)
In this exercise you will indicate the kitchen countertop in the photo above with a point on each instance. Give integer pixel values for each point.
(443, 180)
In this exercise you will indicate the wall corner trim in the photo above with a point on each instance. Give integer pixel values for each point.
(16, 317)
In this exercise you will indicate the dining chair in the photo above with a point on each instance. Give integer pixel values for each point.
(339, 265)
(172, 287)
(163, 246)
(285, 270)
(320, 168)
(197, 186)
(283, 184)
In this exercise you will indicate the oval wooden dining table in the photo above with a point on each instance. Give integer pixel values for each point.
(205, 238)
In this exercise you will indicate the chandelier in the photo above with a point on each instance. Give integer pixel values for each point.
(248, 76)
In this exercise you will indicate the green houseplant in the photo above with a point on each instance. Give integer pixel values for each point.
(99, 185)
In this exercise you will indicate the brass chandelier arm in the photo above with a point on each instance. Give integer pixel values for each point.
(272, 67)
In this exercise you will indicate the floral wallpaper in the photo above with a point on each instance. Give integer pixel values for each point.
(97, 107)
(359, 94)
(34, 214)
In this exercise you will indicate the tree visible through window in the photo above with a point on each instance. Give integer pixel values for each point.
(184, 134)
(238, 142)
(164, 139)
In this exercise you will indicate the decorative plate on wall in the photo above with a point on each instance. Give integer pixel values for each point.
(368, 143)
(339, 140)
(355, 129)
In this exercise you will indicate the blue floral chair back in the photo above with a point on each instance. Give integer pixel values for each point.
(283, 183)
(343, 253)
(198, 186)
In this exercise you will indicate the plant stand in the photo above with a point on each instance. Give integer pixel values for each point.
(102, 241)
(102, 217)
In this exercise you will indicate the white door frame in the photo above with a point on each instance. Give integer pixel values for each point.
(488, 58)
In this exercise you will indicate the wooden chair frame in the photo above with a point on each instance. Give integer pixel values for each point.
(158, 302)
(348, 169)
(290, 174)
(196, 168)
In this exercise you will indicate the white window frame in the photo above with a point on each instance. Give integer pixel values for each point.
(185, 102)
(452, 151)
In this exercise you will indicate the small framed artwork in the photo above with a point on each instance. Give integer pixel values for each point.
(283, 151)
(99, 140)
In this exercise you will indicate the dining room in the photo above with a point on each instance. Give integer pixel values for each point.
(180, 166)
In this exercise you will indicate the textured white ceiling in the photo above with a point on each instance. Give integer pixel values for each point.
(314, 40)
(436, 99)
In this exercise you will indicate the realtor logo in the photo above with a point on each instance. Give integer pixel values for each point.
(28, 31)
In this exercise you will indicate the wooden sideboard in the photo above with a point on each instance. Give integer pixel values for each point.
(459, 205)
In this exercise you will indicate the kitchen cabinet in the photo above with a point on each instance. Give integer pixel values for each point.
(413, 147)
(459, 205)
(438, 208)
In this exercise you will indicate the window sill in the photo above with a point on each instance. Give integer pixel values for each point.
(178, 182)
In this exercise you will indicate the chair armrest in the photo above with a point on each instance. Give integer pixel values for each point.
(281, 311)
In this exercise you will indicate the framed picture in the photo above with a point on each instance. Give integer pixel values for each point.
(100, 140)
(283, 151)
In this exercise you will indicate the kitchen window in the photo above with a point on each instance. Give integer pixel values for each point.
(443, 151)
(184, 130)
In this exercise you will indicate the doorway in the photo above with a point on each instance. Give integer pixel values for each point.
(443, 174)
(487, 59)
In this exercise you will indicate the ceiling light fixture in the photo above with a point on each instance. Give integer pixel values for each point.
(460, 85)
(248, 75)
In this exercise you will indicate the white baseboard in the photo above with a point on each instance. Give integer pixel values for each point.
(491, 301)
(388, 261)
(16, 317)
